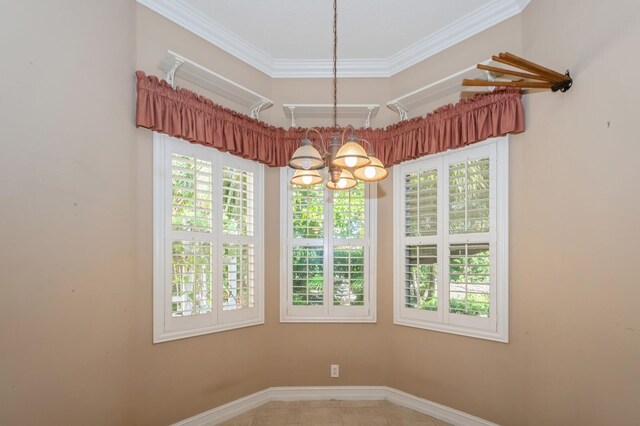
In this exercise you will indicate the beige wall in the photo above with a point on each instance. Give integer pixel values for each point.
(574, 350)
(178, 379)
(81, 234)
(67, 208)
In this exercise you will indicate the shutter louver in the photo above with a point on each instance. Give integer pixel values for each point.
(237, 202)
(308, 275)
(191, 278)
(238, 281)
(192, 210)
(469, 279)
(469, 196)
(348, 213)
(421, 277)
(421, 203)
(307, 211)
(348, 275)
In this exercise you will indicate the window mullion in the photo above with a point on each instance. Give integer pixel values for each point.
(216, 285)
(168, 232)
(443, 241)
(328, 253)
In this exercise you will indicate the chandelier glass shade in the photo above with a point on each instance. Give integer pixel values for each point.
(306, 157)
(372, 172)
(306, 178)
(344, 181)
(351, 155)
(346, 161)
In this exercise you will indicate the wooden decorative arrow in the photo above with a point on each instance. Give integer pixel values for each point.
(546, 78)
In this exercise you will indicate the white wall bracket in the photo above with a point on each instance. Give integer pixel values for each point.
(367, 123)
(364, 112)
(255, 111)
(292, 111)
(404, 114)
(171, 73)
(177, 66)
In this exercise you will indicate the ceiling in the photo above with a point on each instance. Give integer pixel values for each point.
(294, 38)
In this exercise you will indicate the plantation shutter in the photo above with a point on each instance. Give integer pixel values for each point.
(447, 250)
(470, 239)
(208, 240)
(190, 237)
(306, 250)
(350, 247)
(419, 243)
(328, 253)
(238, 238)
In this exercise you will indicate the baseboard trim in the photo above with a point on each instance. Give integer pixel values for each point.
(291, 393)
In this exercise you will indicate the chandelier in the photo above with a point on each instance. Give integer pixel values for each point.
(347, 160)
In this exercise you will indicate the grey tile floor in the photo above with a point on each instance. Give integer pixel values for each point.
(332, 413)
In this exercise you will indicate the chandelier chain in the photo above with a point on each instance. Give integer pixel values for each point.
(335, 63)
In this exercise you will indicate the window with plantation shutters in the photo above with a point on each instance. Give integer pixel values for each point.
(326, 273)
(208, 240)
(450, 241)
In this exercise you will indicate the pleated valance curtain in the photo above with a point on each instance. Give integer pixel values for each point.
(184, 114)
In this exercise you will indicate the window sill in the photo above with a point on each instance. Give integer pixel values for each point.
(167, 336)
(496, 336)
(329, 320)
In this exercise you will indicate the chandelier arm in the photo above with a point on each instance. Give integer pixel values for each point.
(322, 149)
(344, 132)
(371, 151)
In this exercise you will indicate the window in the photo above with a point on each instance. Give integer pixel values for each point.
(328, 253)
(450, 244)
(208, 240)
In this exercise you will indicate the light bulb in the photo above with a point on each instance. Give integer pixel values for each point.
(305, 163)
(342, 183)
(350, 161)
(370, 172)
(307, 180)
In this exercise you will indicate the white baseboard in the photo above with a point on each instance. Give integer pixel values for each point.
(301, 393)
(433, 409)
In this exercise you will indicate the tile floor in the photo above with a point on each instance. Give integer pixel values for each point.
(332, 413)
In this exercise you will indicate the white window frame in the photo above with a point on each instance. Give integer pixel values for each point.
(166, 327)
(496, 327)
(327, 312)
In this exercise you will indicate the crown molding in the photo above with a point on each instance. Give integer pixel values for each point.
(459, 30)
(192, 20)
(323, 68)
(473, 23)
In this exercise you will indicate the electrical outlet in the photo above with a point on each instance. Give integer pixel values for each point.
(335, 370)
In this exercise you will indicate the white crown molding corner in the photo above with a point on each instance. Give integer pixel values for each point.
(473, 23)
(302, 393)
(323, 68)
(192, 20)
(213, 32)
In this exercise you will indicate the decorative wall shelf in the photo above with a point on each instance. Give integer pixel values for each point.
(177, 65)
(440, 89)
(365, 112)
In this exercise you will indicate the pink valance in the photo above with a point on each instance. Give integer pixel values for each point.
(184, 114)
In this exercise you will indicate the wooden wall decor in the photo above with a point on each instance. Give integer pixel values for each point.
(543, 78)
